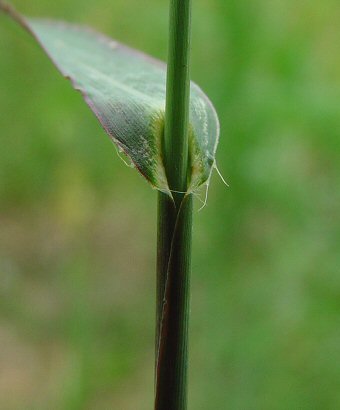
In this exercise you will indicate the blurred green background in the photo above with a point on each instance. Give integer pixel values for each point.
(78, 228)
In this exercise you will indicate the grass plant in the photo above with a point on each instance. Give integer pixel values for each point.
(146, 109)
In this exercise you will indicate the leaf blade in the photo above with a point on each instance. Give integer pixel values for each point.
(126, 91)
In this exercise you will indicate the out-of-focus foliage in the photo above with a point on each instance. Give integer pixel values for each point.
(77, 228)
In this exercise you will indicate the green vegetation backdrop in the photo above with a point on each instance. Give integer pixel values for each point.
(78, 228)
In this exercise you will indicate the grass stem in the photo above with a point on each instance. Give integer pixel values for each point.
(174, 223)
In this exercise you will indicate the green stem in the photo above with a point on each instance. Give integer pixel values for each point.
(174, 224)
(177, 95)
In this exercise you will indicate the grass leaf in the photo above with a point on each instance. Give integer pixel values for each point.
(126, 90)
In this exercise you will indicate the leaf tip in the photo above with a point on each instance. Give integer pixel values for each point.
(8, 9)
